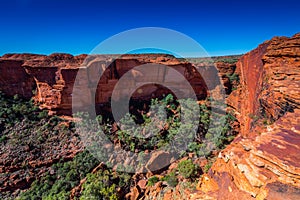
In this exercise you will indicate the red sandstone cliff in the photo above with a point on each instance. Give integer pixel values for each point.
(263, 161)
(53, 77)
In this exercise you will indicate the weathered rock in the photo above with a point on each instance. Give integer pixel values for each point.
(159, 160)
(14, 79)
(153, 192)
(269, 77)
(263, 160)
(142, 184)
(273, 157)
(54, 76)
(245, 98)
(134, 194)
(206, 184)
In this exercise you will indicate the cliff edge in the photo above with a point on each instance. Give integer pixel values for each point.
(263, 161)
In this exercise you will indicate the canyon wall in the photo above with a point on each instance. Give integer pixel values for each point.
(50, 79)
(15, 80)
(263, 161)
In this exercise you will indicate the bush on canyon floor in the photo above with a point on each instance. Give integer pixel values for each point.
(152, 180)
(233, 77)
(13, 110)
(3, 138)
(155, 131)
(64, 176)
(105, 184)
(99, 186)
(207, 167)
(187, 168)
(159, 133)
(171, 179)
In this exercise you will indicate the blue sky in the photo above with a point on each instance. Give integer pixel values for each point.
(221, 27)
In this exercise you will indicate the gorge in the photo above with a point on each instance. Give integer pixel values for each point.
(262, 92)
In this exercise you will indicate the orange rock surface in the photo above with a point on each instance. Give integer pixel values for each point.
(53, 77)
(263, 161)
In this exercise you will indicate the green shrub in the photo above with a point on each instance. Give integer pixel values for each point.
(221, 132)
(104, 184)
(171, 179)
(3, 138)
(43, 114)
(207, 167)
(233, 77)
(152, 180)
(98, 186)
(187, 169)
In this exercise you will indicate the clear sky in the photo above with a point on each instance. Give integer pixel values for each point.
(77, 26)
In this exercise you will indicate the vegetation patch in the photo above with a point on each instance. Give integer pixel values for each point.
(24, 126)
(187, 169)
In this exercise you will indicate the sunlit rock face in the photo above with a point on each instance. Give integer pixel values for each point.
(263, 161)
(54, 77)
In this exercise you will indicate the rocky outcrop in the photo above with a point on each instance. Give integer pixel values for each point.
(260, 166)
(269, 77)
(157, 160)
(54, 76)
(263, 161)
(14, 79)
